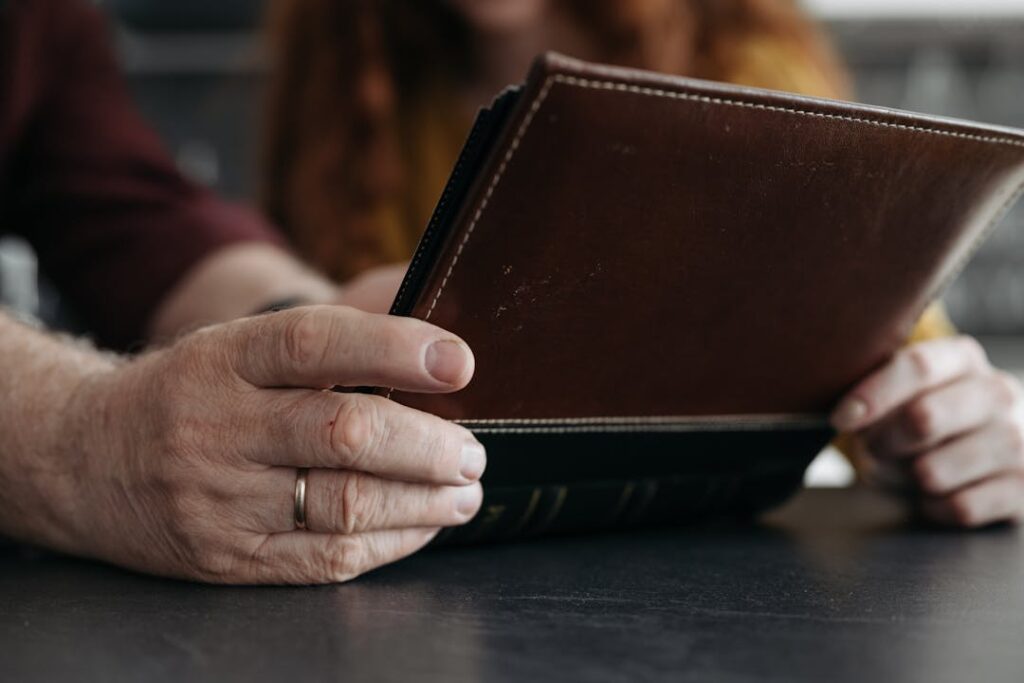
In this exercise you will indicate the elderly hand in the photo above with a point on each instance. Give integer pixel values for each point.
(185, 460)
(940, 412)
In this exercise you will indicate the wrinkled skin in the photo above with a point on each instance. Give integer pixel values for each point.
(185, 459)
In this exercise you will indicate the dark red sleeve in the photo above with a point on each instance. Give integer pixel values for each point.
(115, 224)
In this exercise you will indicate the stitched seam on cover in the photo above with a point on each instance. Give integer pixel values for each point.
(707, 99)
(487, 196)
(632, 429)
(490, 188)
(445, 195)
(657, 92)
(757, 418)
(611, 425)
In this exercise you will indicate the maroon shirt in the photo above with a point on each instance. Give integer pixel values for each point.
(87, 182)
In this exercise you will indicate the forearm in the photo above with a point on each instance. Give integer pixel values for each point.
(39, 374)
(235, 282)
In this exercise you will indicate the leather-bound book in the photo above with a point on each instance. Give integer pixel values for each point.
(668, 284)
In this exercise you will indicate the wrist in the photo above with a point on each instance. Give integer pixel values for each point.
(236, 282)
(42, 432)
(97, 426)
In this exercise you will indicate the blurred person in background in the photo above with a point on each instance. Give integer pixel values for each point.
(217, 455)
(371, 101)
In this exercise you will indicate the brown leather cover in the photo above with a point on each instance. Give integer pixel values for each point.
(630, 253)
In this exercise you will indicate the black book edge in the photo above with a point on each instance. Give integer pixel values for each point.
(488, 126)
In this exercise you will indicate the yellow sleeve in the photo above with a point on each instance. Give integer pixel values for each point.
(769, 62)
(934, 323)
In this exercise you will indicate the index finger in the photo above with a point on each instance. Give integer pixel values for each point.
(912, 371)
(319, 347)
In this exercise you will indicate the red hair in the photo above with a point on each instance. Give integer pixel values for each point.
(345, 71)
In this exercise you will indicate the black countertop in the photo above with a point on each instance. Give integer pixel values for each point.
(835, 586)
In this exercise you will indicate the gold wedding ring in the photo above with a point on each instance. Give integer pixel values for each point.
(301, 475)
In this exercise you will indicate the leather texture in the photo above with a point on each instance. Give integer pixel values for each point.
(628, 252)
(645, 245)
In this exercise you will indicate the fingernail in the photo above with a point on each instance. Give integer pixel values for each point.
(446, 361)
(474, 460)
(467, 500)
(848, 415)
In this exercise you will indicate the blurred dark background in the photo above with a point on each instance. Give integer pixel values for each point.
(196, 70)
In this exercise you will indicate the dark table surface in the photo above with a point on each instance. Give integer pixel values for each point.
(835, 586)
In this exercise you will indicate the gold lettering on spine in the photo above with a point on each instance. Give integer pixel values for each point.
(620, 507)
(531, 508)
(556, 508)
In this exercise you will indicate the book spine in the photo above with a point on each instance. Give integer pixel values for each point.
(510, 512)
